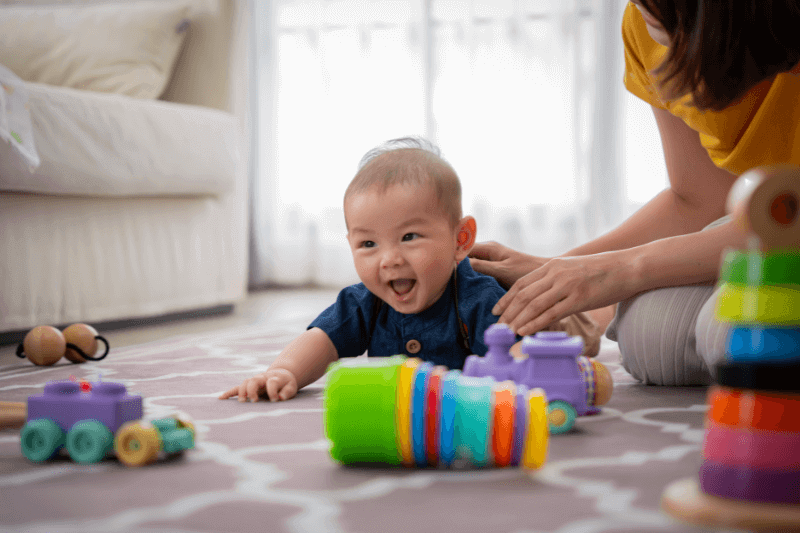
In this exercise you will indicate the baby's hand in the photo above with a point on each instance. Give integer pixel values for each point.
(278, 384)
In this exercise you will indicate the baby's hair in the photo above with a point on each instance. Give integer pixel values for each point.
(409, 161)
(721, 49)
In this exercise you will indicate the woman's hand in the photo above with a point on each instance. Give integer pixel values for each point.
(502, 263)
(563, 286)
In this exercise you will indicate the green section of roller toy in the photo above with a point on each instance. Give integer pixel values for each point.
(755, 268)
(359, 406)
(779, 306)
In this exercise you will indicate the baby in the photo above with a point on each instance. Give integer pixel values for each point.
(418, 293)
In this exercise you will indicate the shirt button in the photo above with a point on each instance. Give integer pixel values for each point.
(413, 346)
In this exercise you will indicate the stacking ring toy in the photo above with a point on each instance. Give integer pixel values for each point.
(399, 410)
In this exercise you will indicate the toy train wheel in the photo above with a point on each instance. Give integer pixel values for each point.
(88, 441)
(560, 416)
(40, 439)
(137, 445)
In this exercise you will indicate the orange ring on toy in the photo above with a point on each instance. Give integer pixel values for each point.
(754, 409)
(503, 426)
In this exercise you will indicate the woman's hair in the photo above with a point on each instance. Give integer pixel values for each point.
(409, 161)
(720, 49)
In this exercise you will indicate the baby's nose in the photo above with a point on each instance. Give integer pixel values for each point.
(391, 257)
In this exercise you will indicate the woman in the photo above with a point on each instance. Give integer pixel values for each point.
(723, 80)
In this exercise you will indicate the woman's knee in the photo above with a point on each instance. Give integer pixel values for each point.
(711, 334)
(656, 336)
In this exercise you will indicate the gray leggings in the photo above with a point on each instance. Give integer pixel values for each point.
(670, 336)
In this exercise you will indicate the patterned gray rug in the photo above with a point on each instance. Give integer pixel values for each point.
(265, 466)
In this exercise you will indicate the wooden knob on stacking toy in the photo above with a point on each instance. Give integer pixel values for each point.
(766, 201)
(84, 337)
(44, 345)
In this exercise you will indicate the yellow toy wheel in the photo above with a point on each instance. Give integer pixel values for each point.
(534, 452)
(137, 445)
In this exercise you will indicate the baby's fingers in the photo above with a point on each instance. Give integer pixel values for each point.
(288, 391)
(251, 390)
(229, 393)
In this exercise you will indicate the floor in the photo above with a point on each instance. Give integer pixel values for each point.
(274, 305)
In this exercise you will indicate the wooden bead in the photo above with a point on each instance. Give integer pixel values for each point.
(44, 345)
(604, 384)
(82, 336)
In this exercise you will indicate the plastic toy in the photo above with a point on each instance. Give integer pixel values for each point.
(45, 345)
(400, 410)
(575, 385)
(750, 474)
(89, 423)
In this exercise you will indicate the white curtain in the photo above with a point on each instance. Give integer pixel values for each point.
(524, 97)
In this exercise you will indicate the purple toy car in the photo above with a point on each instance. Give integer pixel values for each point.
(88, 423)
(574, 385)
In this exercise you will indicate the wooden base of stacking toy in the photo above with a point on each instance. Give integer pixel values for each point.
(685, 501)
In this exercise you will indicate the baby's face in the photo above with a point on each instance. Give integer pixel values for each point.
(403, 245)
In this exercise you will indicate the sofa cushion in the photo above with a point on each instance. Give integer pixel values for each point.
(97, 144)
(121, 47)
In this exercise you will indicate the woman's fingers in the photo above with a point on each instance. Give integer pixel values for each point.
(488, 251)
(560, 309)
(509, 305)
(531, 303)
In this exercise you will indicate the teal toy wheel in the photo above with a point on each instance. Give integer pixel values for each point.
(40, 439)
(560, 416)
(89, 441)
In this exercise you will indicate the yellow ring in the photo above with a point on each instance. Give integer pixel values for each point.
(535, 451)
(405, 379)
(767, 304)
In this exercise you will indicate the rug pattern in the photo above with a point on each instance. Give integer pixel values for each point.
(265, 466)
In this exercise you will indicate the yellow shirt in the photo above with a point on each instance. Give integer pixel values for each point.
(763, 128)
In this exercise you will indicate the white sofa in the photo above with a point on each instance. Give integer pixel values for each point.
(152, 218)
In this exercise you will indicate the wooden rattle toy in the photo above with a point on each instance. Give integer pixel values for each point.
(45, 345)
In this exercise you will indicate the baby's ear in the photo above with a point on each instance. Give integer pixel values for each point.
(465, 239)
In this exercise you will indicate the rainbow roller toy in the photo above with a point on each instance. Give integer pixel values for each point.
(399, 410)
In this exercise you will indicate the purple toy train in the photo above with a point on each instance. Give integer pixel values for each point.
(89, 422)
(575, 385)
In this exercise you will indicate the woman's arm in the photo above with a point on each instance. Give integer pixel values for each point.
(695, 197)
(659, 246)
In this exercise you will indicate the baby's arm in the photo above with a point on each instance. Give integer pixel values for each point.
(303, 361)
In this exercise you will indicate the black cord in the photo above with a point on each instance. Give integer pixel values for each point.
(88, 357)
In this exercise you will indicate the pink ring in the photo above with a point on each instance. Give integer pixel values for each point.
(763, 449)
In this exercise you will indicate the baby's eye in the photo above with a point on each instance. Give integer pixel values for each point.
(367, 244)
(410, 236)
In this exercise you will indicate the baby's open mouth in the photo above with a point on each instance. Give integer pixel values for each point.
(402, 286)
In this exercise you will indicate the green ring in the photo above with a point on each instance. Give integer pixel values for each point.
(776, 268)
(88, 441)
(778, 306)
(359, 410)
(40, 439)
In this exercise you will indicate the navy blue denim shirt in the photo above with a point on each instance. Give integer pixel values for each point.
(347, 322)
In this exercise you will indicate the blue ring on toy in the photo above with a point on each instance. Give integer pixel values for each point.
(418, 413)
(473, 419)
(751, 344)
(447, 415)
(520, 424)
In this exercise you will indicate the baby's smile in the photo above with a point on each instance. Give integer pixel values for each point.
(402, 286)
